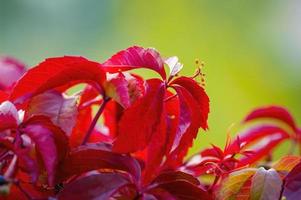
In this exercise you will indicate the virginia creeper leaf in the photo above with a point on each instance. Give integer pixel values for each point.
(144, 115)
(154, 153)
(175, 157)
(62, 110)
(184, 116)
(199, 95)
(273, 112)
(55, 72)
(261, 140)
(185, 190)
(135, 57)
(94, 187)
(50, 141)
(93, 156)
(117, 88)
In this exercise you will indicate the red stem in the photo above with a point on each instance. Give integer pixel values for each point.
(95, 119)
(216, 179)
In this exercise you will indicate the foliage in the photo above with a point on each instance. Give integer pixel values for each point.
(52, 147)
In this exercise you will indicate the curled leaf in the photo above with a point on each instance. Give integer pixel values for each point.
(135, 57)
(266, 185)
(174, 66)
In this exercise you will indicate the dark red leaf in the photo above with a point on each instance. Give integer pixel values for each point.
(55, 72)
(94, 187)
(25, 160)
(50, 142)
(141, 119)
(136, 57)
(292, 187)
(183, 190)
(273, 112)
(93, 157)
(171, 176)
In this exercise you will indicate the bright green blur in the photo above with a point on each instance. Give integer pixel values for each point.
(252, 49)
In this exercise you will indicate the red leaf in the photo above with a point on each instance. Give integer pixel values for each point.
(141, 119)
(84, 119)
(116, 88)
(92, 157)
(155, 151)
(273, 112)
(10, 71)
(185, 116)
(9, 117)
(3, 96)
(261, 140)
(124, 88)
(54, 72)
(112, 115)
(84, 116)
(171, 176)
(183, 190)
(98, 186)
(136, 57)
(199, 95)
(50, 141)
(292, 187)
(62, 110)
(25, 161)
(175, 157)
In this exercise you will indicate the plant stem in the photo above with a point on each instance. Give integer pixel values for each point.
(95, 119)
(216, 179)
(282, 189)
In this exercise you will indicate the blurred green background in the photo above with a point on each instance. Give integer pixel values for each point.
(252, 49)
